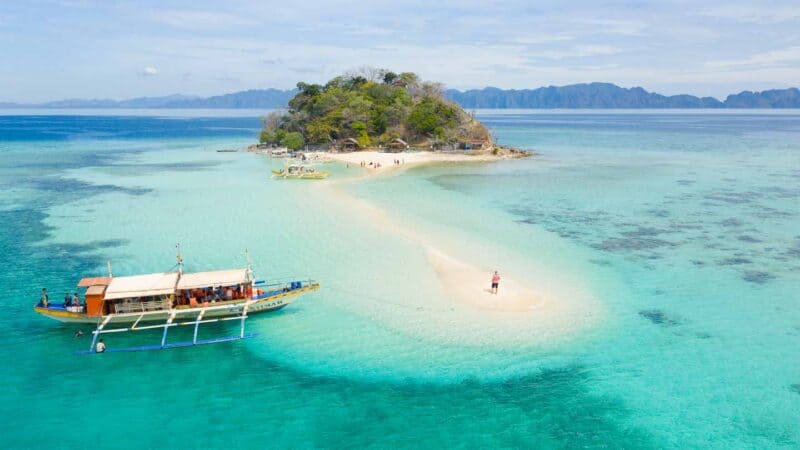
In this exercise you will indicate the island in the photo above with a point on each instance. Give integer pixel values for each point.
(370, 116)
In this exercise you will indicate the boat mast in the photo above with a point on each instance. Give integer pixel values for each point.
(249, 272)
(179, 258)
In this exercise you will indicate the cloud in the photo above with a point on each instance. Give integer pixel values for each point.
(199, 20)
(578, 51)
(767, 59)
(753, 14)
(612, 26)
(148, 71)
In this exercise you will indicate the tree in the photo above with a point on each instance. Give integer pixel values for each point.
(430, 116)
(389, 77)
(371, 106)
(293, 140)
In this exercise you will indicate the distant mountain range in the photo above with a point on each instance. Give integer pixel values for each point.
(254, 98)
(607, 95)
(590, 95)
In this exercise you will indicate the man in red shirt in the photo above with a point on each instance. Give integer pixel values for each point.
(495, 282)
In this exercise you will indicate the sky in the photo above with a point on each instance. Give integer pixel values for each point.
(56, 49)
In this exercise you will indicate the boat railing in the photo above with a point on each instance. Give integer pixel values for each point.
(276, 287)
(61, 307)
(142, 306)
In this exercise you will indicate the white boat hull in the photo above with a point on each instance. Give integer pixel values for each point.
(212, 310)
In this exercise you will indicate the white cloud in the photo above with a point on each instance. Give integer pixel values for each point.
(767, 59)
(199, 20)
(578, 51)
(753, 14)
(149, 71)
(613, 26)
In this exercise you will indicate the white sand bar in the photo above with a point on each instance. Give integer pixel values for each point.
(382, 162)
(529, 308)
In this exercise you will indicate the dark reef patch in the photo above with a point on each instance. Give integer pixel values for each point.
(658, 212)
(735, 261)
(731, 223)
(794, 250)
(639, 244)
(748, 238)
(80, 188)
(601, 262)
(795, 387)
(758, 277)
(736, 198)
(765, 212)
(780, 192)
(169, 167)
(658, 317)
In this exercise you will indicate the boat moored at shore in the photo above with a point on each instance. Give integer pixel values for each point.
(300, 172)
(129, 303)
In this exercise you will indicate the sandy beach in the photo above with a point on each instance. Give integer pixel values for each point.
(383, 162)
(530, 308)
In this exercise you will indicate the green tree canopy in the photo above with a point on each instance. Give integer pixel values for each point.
(372, 106)
(293, 140)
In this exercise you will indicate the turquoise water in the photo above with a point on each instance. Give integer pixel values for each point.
(682, 228)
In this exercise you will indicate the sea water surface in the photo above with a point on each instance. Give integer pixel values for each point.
(683, 226)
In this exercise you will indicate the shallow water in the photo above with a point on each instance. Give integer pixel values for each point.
(682, 226)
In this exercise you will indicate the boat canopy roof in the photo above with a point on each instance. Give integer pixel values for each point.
(215, 278)
(95, 290)
(142, 285)
(94, 281)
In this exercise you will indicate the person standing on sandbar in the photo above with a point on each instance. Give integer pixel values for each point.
(495, 282)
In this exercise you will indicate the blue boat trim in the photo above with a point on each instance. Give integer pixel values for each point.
(182, 344)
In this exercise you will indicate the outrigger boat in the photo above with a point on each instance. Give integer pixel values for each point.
(300, 172)
(133, 303)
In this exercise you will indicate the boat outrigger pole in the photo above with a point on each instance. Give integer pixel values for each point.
(169, 323)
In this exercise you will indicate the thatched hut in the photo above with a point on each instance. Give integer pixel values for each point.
(349, 145)
(397, 145)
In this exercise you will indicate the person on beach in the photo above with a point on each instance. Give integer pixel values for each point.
(67, 300)
(76, 299)
(495, 282)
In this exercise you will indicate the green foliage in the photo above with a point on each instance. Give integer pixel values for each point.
(389, 77)
(293, 140)
(372, 107)
(431, 116)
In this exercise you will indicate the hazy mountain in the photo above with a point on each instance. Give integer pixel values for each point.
(591, 95)
(776, 98)
(254, 98)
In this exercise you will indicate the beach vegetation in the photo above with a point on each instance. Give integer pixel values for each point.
(293, 140)
(372, 106)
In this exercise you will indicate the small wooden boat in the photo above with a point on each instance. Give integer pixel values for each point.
(300, 172)
(120, 304)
